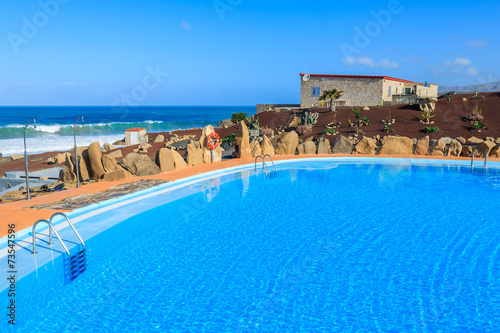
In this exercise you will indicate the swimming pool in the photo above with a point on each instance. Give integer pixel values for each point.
(351, 245)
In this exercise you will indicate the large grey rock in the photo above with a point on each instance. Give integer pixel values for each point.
(266, 146)
(324, 146)
(341, 145)
(242, 141)
(139, 165)
(108, 146)
(95, 159)
(194, 154)
(288, 143)
(495, 151)
(438, 148)
(109, 163)
(484, 148)
(446, 140)
(159, 138)
(397, 145)
(83, 163)
(366, 146)
(427, 103)
(422, 146)
(455, 148)
(307, 148)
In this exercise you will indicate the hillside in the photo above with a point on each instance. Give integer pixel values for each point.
(487, 87)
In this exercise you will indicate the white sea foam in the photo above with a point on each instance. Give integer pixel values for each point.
(39, 145)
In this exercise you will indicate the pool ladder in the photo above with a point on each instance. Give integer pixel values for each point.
(76, 263)
(264, 166)
(485, 161)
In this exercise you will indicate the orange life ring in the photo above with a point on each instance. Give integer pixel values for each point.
(209, 141)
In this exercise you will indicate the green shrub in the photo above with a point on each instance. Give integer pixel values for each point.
(477, 125)
(366, 121)
(329, 130)
(229, 138)
(237, 117)
(434, 129)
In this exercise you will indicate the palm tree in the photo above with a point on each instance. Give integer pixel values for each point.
(331, 95)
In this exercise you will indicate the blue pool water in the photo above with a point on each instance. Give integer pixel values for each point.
(323, 247)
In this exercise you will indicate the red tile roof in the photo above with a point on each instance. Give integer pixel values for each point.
(359, 77)
(135, 129)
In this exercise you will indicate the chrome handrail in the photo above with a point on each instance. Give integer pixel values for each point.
(71, 225)
(51, 228)
(275, 170)
(263, 163)
(472, 160)
(486, 160)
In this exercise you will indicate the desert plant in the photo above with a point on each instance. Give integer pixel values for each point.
(229, 138)
(388, 128)
(253, 123)
(379, 105)
(237, 117)
(434, 129)
(331, 95)
(309, 118)
(304, 129)
(476, 96)
(357, 113)
(427, 115)
(475, 115)
(477, 125)
(366, 121)
(329, 130)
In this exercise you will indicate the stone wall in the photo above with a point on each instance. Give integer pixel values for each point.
(362, 91)
(357, 91)
(267, 107)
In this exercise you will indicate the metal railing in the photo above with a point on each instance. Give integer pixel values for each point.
(52, 229)
(264, 166)
(485, 161)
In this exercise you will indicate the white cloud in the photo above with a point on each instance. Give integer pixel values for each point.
(477, 43)
(472, 71)
(369, 62)
(459, 62)
(186, 26)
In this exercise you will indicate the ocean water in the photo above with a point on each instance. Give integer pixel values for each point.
(54, 129)
(323, 246)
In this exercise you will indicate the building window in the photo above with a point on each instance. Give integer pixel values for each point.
(390, 92)
(315, 91)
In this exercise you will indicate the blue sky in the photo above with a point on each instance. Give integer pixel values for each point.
(233, 52)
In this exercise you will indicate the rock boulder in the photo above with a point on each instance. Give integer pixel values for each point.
(455, 148)
(397, 145)
(266, 146)
(139, 165)
(95, 159)
(341, 145)
(324, 146)
(242, 147)
(366, 146)
(307, 148)
(422, 147)
(288, 143)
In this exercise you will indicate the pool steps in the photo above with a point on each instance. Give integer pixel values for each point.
(52, 229)
(264, 166)
(485, 161)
